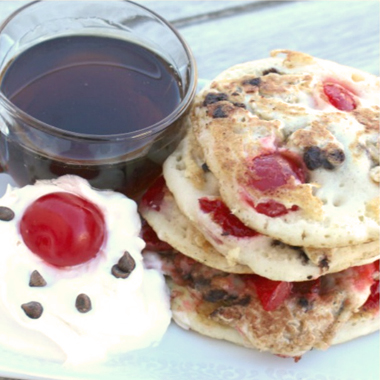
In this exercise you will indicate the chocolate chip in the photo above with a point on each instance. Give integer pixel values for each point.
(271, 71)
(32, 309)
(219, 113)
(118, 273)
(313, 157)
(324, 263)
(299, 250)
(240, 105)
(124, 267)
(302, 255)
(36, 280)
(276, 243)
(253, 82)
(303, 302)
(201, 282)
(83, 303)
(243, 301)
(215, 295)
(205, 168)
(309, 277)
(127, 262)
(6, 214)
(214, 98)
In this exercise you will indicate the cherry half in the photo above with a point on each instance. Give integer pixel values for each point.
(223, 216)
(270, 171)
(63, 229)
(154, 196)
(272, 294)
(339, 97)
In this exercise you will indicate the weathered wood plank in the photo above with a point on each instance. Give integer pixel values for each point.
(343, 31)
(172, 10)
(182, 10)
(346, 32)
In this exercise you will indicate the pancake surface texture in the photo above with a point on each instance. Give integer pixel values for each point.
(264, 255)
(293, 143)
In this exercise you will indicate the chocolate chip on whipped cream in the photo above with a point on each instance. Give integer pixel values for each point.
(6, 214)
(36, 280)
(124, 267)
(83, 303)
(33, 309)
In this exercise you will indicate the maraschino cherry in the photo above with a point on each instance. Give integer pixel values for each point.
(63, 229)
(270, 171)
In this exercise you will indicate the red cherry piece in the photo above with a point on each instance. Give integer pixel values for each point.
(154, 195)
(270, 208)
(339, 97)
(270, 171)
(373, 299)
(273, 208)
(152, 241)
(63, 229)
(363, 275)
(222, 216)
(271, 294)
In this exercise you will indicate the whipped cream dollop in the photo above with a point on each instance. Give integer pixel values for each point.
(126, 313)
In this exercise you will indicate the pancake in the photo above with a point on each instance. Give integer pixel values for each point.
(290, 321)
(293, 143)
(189, 183)
(359, 324)
(172, 227)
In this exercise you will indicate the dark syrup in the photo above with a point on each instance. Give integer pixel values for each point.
(91, 85)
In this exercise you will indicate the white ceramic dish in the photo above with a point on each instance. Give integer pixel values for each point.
(184, 355)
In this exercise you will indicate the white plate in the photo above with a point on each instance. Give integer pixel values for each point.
(184, 355)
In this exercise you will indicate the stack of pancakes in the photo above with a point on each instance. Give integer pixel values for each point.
(270, 207)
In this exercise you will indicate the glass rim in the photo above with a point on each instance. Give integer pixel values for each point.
(134, 135)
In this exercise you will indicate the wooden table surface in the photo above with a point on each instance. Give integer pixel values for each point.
(224, 33)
